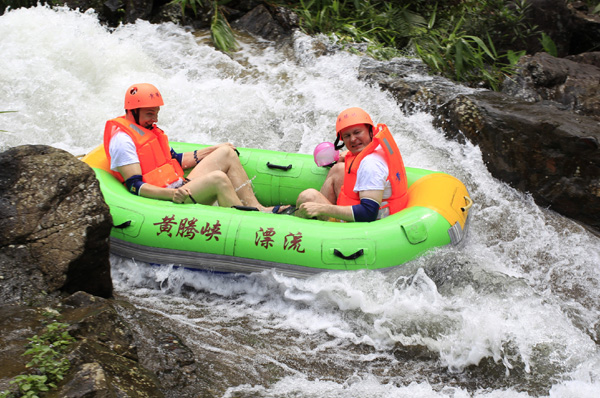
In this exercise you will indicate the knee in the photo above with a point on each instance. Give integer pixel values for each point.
(226, 151)
(219, 179)
(337, 171)
(308, 195)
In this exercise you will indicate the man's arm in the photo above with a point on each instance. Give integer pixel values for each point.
(146, 190)
(323, 211)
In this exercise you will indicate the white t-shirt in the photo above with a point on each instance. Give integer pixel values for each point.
(372, 175)
(122, 151)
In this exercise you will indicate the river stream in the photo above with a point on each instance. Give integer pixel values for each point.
(513, 313)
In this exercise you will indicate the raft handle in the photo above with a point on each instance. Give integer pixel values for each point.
(276, 166)
(245, 208)
(468, 205)
(123, 225)
(350, 257)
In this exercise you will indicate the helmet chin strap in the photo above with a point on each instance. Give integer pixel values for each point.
(136, 117)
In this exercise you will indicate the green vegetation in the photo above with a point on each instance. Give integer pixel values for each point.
(48, 364)
(548, 45)
(476, 42)
(221, 33)
(220, 30)
(380, 24)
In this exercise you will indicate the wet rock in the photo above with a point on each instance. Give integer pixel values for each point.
(409, 82)
(54, 226)
(584, 29)
(571, 26)
(555, 19)
(260, 22)
(18, 324)
(119, 351)
(550, 153)
(103, 359)
(591, 58)
(90, 381)
(572, 85)
(137, 9)
(110, 12)
(170, 12)
(166, 355)
(96, 319)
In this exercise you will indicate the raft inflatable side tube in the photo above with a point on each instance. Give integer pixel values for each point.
(229, 240)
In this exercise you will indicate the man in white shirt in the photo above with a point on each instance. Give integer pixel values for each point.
(216, 173)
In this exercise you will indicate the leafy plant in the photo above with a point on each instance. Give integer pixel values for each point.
(457, 53)
(384, 26)
(478, 42)
(185, 4)
(48, 364)
(472, 41)
(548, 45)
(220, 31)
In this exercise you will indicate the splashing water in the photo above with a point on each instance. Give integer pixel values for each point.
(245, 184)
(515, 313)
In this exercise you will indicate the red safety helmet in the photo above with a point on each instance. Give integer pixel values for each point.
(143, 95)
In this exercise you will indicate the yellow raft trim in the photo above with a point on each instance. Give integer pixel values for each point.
(442, 193)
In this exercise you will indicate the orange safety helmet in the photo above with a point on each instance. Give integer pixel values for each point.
(143, 95)
(350, 117)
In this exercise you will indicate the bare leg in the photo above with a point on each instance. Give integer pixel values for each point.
(311, 196)
(226, 160)
(211, 187)
(333, 183)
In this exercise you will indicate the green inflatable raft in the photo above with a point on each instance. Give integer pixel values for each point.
(221, 239)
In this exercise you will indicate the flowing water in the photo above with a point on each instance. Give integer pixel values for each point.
(514, 313)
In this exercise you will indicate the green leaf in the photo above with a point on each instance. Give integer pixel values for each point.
(549, 45)
(221, 33)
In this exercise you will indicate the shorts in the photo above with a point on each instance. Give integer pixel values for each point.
(177, 184)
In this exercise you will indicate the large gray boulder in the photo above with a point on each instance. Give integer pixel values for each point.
(571, 85)
(550, 153)
(54, 226)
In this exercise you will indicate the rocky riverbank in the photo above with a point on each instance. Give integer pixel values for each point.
(54, 268)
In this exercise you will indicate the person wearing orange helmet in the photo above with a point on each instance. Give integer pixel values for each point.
(370, 181)
(140, 156)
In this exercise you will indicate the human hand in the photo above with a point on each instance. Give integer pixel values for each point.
(310, 210)
(181, 194)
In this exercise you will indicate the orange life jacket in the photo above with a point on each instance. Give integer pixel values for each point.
(152, 146)
(397, 174)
